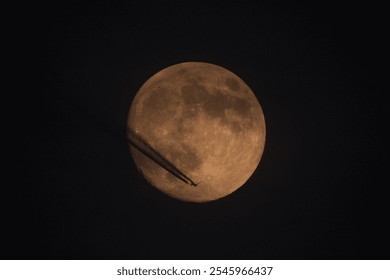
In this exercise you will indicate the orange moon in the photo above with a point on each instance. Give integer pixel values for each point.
(204, 120)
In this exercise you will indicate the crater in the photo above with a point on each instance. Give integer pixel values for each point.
(242, 106)
(190, 112)
(193, 93)
(216, 104)
(184, 157)
(235, 126)
(232, 84)
(182, 72)
(160, 104)
(185, 124)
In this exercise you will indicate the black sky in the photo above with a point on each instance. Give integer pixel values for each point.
(317, 193)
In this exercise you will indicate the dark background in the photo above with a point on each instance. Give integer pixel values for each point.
(317, 193)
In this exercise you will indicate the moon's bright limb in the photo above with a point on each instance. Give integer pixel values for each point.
(204, 120)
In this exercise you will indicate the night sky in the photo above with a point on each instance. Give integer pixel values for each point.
(317, 193)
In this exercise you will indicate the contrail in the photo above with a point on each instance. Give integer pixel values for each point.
(144, 147)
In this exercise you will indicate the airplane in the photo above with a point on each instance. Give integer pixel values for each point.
(140, 144)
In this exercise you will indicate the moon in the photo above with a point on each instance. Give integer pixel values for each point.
(204, 120)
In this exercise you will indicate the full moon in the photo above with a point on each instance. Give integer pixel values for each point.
(205, 121)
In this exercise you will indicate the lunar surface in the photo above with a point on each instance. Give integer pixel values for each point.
(204, 120)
